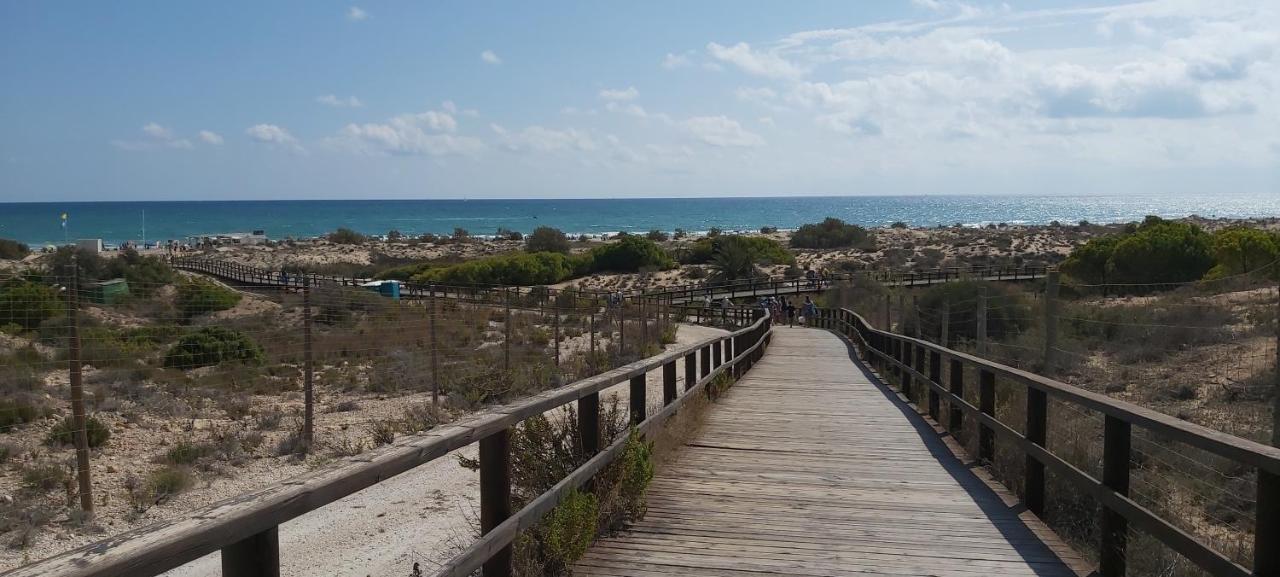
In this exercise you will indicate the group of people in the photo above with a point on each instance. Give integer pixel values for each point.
(786, 309)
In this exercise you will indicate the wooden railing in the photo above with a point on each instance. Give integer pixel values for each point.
(913, 362)
(244, 528)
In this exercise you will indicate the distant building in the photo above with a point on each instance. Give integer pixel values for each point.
(93, 245)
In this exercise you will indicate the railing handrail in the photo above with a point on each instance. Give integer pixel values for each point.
(163, 546)
(890, 350)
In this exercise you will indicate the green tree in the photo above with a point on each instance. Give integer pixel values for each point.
(762, 250)
(1088, 263)
(732, 261)
(1239, 250)
(547, 239)
(1161, 252)
(832, 233)
(629, 254)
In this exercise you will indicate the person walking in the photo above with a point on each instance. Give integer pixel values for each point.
(791, 313)
(810, 311)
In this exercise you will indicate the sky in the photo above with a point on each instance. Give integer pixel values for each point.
(294, 99)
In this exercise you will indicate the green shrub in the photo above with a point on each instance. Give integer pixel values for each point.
(508, 234)
(1157, 251)
(13, 250)
(629, 254)
(656, 235)
(760, 250)
(346, 236)
(211, 346)
(1088, 263)
(44, 477)
(27, 304)
(186, 452)
(511, 269)
(167, 482)
(63, 432)
(145, 274)
(832, 233)
(405, 272)
(733, 261)
(1239, 250)
(20, 408)
(196, 297)
(568, 530)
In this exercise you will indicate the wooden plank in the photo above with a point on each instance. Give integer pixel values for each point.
(806, 467)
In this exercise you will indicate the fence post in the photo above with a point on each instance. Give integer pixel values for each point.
(589, 424)
(690, 370)
(1037, 427)
(495, 495)
(592, 329)
(888, 314)
(254, 556)
(622, 328)
(956, 384)
(669, 382)
(638, 393)
(915, 315)
(434, 318)
(902, 310)
(907, 356)
(986, 404)
(308, 369)
(81, 434)
(1266, 556)
(981, 334)
(706, 361)
(935, 375)
(1115, 475)
(555, 326)
(506, 327)
(1050, 319)
(944, 336)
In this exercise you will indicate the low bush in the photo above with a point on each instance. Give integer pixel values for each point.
(13, 250)
(167, 482)
(346, 236)
(760, 250)
(656, 235)
(44, 476)
(1157, 251)
(19, 408)
(629, 254)
(213, 345)
(197, 296)
(547, 239)
(832, 233)
(186, 452)
(63, 432)
(28, 304)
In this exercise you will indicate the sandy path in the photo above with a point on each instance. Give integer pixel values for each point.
(424, 515)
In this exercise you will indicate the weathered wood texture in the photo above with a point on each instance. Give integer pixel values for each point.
(807, 467)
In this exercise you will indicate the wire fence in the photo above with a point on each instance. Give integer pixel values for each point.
(181, 381)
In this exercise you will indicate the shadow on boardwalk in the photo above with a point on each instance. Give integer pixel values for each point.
(810, 466)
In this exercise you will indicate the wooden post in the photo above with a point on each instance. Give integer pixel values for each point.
(639, 391)
(1266, 533)
(717, 353)
(944, 334)
(495, 495)
(705, 365)
(982, 322)
(1050, 320)
(592, 329)
(1037, 428)
(690, 370)
(1115, 475)
(506, 327)
(308, 370)
(935, 375)
(622, 327)
(434, 318)
(906, 354)
(915, 316)
(555, 326)
(902, 311)
(589, 424)
(78, 419)
(254, 556)
(956, 385)
(986, 404)
(888, 314)
(669, 382)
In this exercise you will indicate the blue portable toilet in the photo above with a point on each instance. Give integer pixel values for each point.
(386, 288)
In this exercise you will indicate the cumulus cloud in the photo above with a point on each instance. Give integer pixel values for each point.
(210, 137)
(721, 131)
(674, 61)
(275, 136)
(488, 57)
(156, 136)
(334, 101)
(628, 93)
(429, 133)
(759, 63)
(357, 14)
(541, 139)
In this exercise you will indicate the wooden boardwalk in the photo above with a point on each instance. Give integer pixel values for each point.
(805, 467)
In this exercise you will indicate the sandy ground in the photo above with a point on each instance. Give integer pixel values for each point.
(424, 515)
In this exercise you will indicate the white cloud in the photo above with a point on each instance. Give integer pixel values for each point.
(755, 62)
(541, 139)
(334, 101)
(157, 136)
(356, 14)
(628, 93)
(766, 120)
(275, 136)
(674, 61)
(157, 131)
(209, 137)
(490, 58)
(449, 106)
(721, 131)
(429, 133)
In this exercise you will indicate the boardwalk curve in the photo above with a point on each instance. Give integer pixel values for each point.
(808, 467)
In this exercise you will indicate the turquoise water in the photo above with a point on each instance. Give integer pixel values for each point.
(38, 223)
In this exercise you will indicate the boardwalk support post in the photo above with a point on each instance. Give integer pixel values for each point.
(705, 365)
(690, 370)
(1037, 427)
(589, 424)
(935, 375)
(944, 334)
(639, 388)
(669, 382)
(1266, 556)
(956, 385)
(495, 495)
(1050, 320)
(982, 322)
(254, 556)
(1115, 475)
(986, 404)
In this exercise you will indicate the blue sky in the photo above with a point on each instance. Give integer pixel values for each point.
(293, 99)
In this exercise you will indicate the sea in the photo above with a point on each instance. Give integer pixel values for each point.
(40, 223)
